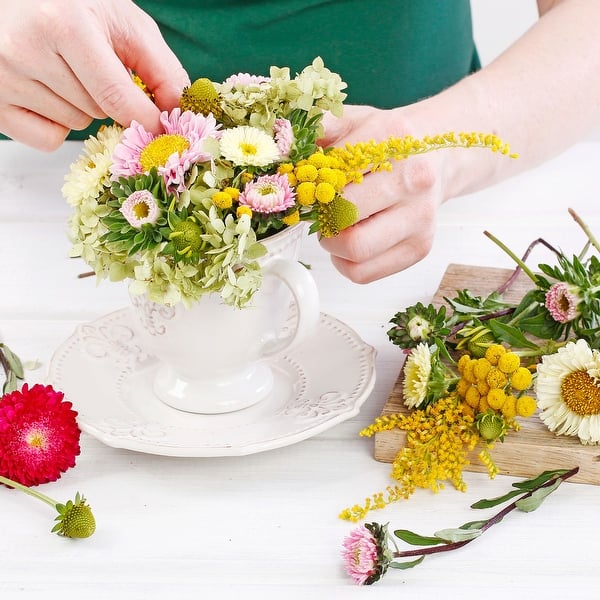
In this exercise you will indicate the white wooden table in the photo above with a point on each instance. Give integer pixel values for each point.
(266, 525)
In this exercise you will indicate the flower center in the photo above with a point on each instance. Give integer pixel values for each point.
(581, 393)
(140, 210)
(186, 237)
(157, 152)
(36, 439)
(248, 149)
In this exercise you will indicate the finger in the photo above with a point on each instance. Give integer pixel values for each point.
(31, 129)
(396, 259)
(366, 249)
(33, 96)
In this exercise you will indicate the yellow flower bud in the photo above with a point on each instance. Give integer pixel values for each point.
(222, 200)
(306, 173)
(324, 192)
(305, 193)
(526, 406)
(509, 362)
(521, 379)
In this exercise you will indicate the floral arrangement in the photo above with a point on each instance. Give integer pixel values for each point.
(183, 213)
(478, 365)
(39, 440)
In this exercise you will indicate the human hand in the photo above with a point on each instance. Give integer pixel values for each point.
(65, 62)
(397, 210)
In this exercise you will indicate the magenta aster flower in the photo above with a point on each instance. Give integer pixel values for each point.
(140, 208)
(172, 152)
(562, 301)
(284, 136)
(268, 194)
(365, 553)
(39, 435)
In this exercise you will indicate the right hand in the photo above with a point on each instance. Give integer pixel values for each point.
(64, 63)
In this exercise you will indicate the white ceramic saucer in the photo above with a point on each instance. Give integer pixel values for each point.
(105, 373)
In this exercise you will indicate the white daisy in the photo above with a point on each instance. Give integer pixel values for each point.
(89, 174)
(249, 146)
(568, 391)
(417, 370)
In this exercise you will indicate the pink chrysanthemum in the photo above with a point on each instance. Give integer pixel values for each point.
(140, 208)
(268, 194)
(172, 152)
(284, 136)
(39, 435)
(242, 79)
(562, 302)
(360, 555)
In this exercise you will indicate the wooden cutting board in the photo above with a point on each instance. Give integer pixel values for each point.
(527, 452)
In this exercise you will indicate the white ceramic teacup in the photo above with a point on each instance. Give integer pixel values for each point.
(213, 358)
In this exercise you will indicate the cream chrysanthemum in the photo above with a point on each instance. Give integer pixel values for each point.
(568, 391)
(90, 173)
(249, 146)
(416, 375)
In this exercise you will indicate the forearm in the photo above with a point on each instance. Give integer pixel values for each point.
(541, 95)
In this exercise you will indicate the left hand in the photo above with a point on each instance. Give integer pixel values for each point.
(397, 209)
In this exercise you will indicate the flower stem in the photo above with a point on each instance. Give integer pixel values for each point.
(585, 228)
(489, 523)
(27, 490)
(508, 251)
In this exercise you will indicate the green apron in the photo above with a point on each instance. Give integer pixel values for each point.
(389, 52)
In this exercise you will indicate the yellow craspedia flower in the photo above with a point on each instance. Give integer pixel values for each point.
(483, 387)
(521, 379)
(319, 160)
(306, 173)
(468, 372)
(233, 192)
(305, 193)
(324, 192)
(509, 408)
(526, 406)
(496, 398)
(292, 219)
(462, 361)
(285, 168)
(328, 175)
(472, 397)
(243, 210)
(496, 378)
(222, 200)
(462, 386)
(509, 362)
(483, 404)
(494, 352)
(481, 368)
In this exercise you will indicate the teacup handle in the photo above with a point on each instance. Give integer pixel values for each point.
(306, 297)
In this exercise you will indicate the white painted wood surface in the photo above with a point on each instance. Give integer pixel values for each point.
(266, 525)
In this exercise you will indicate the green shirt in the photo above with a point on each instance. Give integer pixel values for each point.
(389, 52)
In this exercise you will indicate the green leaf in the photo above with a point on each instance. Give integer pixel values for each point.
(13, 360)
(537, 497)
(458, 535)
(509, 334)
(407, 565)
(535, 482)
(488, 503)
(473, 525)
(410, 537)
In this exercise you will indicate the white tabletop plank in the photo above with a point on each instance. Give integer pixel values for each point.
(265, 525)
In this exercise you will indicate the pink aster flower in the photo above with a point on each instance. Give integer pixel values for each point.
(39, 435)
(364, 557)
(284, 136)
(140, 208)
(562, 301)
(242, 79)
(172, 153)
(268, 194)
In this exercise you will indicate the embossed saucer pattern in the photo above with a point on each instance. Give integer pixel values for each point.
(105, 373)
